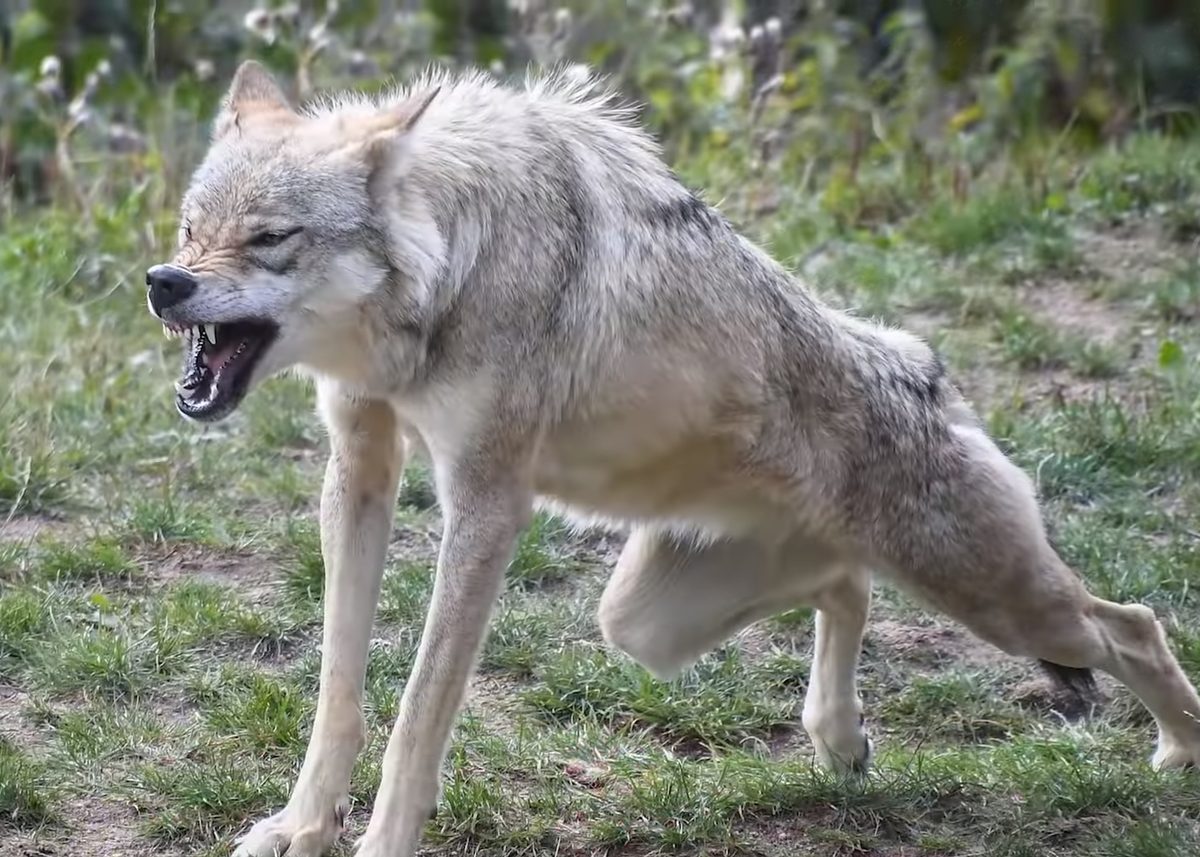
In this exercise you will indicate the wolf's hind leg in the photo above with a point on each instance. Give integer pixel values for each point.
(1004, 581)
(671, 599)
(1135, 652)
(833, 710)
(1072, 632)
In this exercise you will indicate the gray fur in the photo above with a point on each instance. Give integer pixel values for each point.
(511, 278)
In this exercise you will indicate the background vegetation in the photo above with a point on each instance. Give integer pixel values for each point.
(1018, 181)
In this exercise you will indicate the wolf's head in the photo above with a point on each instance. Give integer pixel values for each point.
(281, 237)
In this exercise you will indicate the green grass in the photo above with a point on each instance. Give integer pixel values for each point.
(161, 583)
(25, 800)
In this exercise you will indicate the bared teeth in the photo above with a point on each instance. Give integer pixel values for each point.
(195, 366)
(211, 330)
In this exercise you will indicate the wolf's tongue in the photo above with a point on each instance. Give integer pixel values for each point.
(220, 355)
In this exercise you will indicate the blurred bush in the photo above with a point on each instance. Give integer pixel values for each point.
(821, 85)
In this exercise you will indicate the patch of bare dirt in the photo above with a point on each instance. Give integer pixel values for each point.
(1130, 253)
(979, 386)
(417, 541)
(13, 724)
(938, 645)
(816, 830)
(16, 843)
(1068, 305)
(599, 547)
(93, 827)
(934, 645)
(490, 696)
(1058, 388)
(495, 701)
(1122, 257)
(250, 573)
(761, 640)
(29, 528)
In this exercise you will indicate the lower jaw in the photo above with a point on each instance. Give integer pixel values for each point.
(224, 404)
(214, 412)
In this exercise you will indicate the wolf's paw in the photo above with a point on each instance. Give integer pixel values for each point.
(1172, 753)
(292, 833)
(842, 744)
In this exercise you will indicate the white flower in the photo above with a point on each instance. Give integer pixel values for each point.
(51, 67)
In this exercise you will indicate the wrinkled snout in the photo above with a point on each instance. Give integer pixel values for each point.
(168, 285)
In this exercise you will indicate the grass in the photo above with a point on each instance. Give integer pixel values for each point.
(24, 799)
(160, 583)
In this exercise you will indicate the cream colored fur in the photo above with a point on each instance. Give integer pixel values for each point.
(511, 278)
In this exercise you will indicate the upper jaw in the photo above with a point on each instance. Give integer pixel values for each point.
(174, 330)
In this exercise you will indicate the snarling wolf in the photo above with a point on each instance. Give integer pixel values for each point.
(511, 276)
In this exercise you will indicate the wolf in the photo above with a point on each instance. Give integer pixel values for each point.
(509, 276)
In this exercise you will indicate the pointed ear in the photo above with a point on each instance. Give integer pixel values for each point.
(381, 132)
(253, 84)
(252, 90)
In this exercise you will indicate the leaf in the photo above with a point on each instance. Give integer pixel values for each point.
(1170, 354)
(967, 116)
(1096, 104)
(1056, 201)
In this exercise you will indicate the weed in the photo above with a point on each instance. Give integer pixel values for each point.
(25, 789)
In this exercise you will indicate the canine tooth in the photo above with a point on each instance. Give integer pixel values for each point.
(211, 330)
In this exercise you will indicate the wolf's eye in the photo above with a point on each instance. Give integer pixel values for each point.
(272, 239)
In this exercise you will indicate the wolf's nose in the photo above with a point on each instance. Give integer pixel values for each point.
(168, 285)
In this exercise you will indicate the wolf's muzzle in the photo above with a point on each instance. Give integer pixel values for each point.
(168, 285)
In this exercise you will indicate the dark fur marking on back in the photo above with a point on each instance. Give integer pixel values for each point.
(688, 212)
(570, 262)
(926, 388)
(937, 372)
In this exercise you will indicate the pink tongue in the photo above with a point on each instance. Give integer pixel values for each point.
(216, 361)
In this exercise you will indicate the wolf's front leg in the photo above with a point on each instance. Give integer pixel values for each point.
(357, 507)
(484, 512)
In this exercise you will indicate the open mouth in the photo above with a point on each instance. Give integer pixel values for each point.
(217, 365)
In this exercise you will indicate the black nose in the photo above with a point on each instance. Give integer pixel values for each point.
(168, 285)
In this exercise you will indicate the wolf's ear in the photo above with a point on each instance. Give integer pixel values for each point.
(382, 132)
(252, 90)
